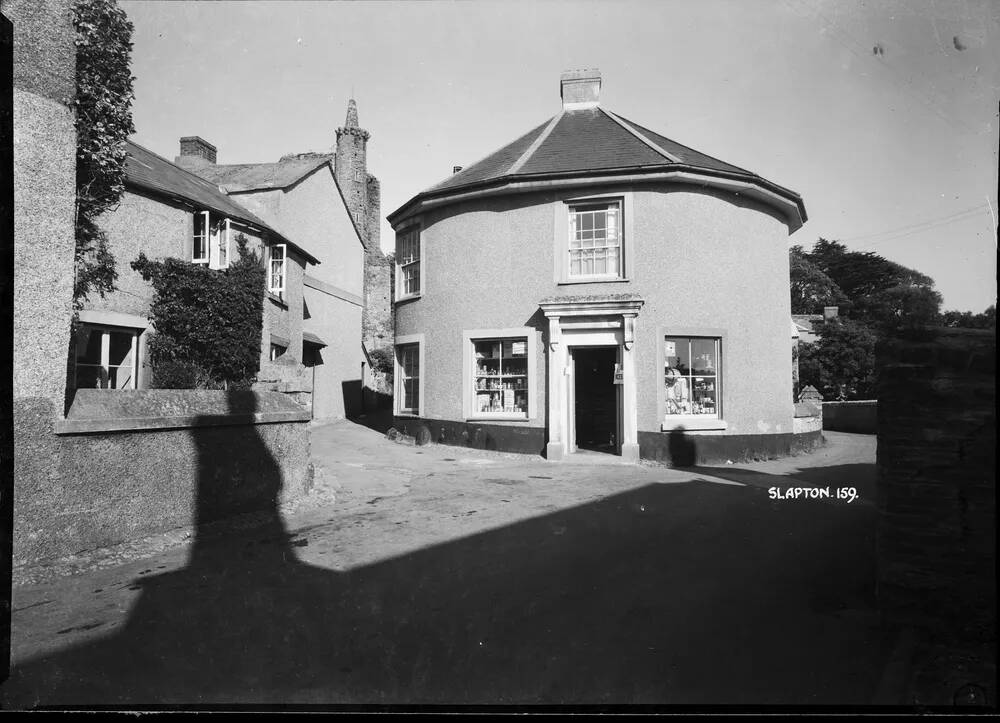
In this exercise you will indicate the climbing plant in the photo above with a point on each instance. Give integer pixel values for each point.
(103, 118)
(208, 322)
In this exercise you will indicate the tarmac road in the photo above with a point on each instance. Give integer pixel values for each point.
(453, 576)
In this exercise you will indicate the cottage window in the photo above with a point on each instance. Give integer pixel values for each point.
(277, 350)
(106, 357)
(595, 240)
(200, 244)
(408, 261)
(221, 234)
(408, 369)
(277, 270)
(692, 376)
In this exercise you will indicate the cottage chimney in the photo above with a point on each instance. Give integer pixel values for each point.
(580, 89)
(197, 147)
(830, 312)
(455, 169)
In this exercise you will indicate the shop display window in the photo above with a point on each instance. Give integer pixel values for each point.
(500, 376)
(692, 376)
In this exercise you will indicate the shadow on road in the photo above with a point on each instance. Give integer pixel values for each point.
(693, 593)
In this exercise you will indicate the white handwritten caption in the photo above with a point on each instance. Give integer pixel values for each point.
(813, 493)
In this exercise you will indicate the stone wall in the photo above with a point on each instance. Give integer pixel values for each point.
(153, 461)
(937, 489)
(377, 323)
(860, 417)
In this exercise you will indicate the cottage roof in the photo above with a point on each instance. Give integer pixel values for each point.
(148, 171)
(806, 322)
(260, 176)
(585, 140)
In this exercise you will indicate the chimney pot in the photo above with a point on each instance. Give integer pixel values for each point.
(455, 169)
(197, 147)
(830, 312)
(580, 89)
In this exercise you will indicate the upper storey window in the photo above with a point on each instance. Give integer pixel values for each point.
(277, 270)
(210, 242)
(408, 263)
(595, 240)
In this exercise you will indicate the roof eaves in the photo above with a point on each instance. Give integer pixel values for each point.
(486, 184)
(243, 216)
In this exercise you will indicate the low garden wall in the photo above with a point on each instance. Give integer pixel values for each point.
(859, 417)
(123, 465)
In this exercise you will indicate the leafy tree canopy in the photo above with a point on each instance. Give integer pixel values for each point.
(841, 364)
(208, 322)
(876, 291)
(811, 288)
(967, 320)
(103, 110)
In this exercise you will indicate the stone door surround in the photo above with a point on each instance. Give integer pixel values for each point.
(590, 321)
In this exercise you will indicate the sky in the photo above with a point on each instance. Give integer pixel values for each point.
(882, 115)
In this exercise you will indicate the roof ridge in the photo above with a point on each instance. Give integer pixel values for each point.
(628, 127)
(695, 150)
(535, 144)
(214, 186)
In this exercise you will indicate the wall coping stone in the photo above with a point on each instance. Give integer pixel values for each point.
(101, 410)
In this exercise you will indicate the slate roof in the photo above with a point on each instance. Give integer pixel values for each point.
(584, 141)
(258, 176)
(146, 170)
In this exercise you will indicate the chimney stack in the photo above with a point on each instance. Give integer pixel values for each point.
(580, 89)
(830, 312)
(197, 147)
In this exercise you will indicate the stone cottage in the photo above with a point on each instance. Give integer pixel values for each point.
(169, 212)
(120, 465)
(329, 203)
(596, 285)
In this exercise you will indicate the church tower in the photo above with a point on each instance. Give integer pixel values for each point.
(351, 168)
(362, 194)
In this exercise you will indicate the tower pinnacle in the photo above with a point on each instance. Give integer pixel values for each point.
(352, 114)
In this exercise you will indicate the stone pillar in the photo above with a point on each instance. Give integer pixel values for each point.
(556, 353)
(630, 412)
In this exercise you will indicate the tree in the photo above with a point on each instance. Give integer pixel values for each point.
(103, 106)
(811, 288)
(208, 322)
(881, 293)
(967, 320)
(841, 365)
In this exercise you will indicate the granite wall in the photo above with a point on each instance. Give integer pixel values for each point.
(937, 482)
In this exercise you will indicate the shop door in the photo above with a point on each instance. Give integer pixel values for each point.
(595, 399)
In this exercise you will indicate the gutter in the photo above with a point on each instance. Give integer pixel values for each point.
(253, 225)
(751, 185)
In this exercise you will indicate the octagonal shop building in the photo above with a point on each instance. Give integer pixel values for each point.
(595, 287)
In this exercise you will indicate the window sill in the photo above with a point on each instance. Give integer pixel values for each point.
(692, 423)
(412, 415)
(497, 418)
(408, 297)
(595, 280)
(277, 300)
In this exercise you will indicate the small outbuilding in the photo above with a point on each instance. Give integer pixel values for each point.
(594, 285)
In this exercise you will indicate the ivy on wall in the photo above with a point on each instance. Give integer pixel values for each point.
(103, 118)
(208, 322)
